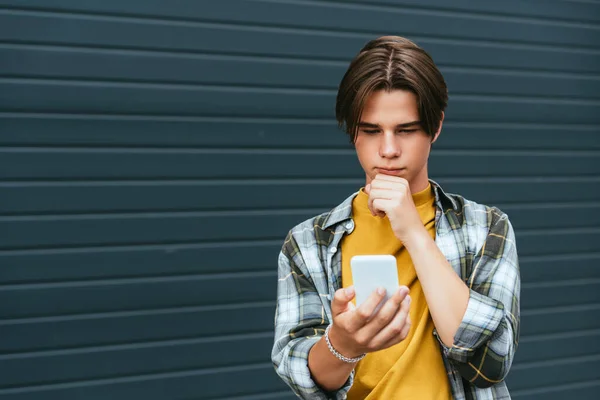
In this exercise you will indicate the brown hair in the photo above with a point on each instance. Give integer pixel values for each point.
(390, 63)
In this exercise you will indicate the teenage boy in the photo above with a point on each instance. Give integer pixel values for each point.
(452, 329)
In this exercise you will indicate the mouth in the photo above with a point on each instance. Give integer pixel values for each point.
(394, 172)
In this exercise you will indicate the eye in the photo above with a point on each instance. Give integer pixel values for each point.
(370, 131)
(407, 131)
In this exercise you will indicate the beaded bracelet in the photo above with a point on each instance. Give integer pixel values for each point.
(337, 354)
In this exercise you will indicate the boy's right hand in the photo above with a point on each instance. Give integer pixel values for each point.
(358, 330)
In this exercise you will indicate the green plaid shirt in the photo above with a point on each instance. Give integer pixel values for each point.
(479, 243)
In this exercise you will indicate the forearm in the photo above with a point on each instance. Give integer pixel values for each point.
(327, 371)
(447, 295)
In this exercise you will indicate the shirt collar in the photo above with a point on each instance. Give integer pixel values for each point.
(343, 212)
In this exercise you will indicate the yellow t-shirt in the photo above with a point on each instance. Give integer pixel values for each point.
(412, 369)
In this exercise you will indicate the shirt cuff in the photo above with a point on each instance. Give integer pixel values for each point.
(306, 387)
(480, 322)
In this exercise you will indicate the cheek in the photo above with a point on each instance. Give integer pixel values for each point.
(364, 158)
(366, 151)
(419, 151)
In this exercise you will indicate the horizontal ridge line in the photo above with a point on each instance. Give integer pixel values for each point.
(134, 345)
(305, 120)
(558, 335)
(210, 213)
(560, 283)
(562, 256)
(278, 181)
(149, 246)
(346, 150)
(556, 361)
(297, 90)
(212, 275)
(237, 240)
(322, 31)
(577, 255)
(289, 59)
(198, 181)
(132, 378)
(360, 5)
(137, 280)
(173, 276)
(553, 389)
(256, 396)
(553, 231)
(166, 214)
(554, 309)
(134, 313)
(449, 11)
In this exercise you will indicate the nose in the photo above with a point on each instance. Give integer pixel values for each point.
(389, 148)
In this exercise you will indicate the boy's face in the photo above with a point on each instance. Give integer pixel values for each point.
(390, 139)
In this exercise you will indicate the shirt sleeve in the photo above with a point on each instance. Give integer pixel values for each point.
(487, 338)
(300, 321)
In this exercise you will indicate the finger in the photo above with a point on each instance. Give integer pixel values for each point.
(384, 185)
(402, 336)
(391, 178)
(370, 205)
(341, 300)
(392, 333)
(368, 192)
(364, 312)
(382, 194)
(382, 205)
(377, 195)
(386, 313)
(406, 330)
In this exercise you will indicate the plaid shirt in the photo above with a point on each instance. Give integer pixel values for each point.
(479, 243)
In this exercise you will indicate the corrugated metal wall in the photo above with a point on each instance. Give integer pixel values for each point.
(154, 155)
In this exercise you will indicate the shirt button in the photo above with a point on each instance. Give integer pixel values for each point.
(333, 249)
(349, 225)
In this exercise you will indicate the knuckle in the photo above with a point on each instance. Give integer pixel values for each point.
(350, 329)
(362, 341)
(382, 317)
(397, 328)
(340, 324)
(362, 313)
(371, 347)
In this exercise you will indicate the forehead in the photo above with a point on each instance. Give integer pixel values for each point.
(390, 107)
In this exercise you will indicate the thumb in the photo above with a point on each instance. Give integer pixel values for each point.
(341, 300)
(368, 188)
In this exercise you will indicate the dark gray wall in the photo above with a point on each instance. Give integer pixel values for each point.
(154, 154)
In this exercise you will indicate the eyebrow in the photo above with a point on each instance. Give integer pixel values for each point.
(376, 126)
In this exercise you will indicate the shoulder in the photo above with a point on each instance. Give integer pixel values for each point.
(304, 237)
(319, 230)
(478, 224)
(310, 224)
(473, 214)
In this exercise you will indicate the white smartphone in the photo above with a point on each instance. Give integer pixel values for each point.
(372, 271)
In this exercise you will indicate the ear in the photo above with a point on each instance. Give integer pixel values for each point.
(437, 134)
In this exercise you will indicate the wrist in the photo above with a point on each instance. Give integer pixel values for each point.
(339, 344)
(416, 238)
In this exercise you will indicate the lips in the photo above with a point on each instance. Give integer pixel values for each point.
(395, 171)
